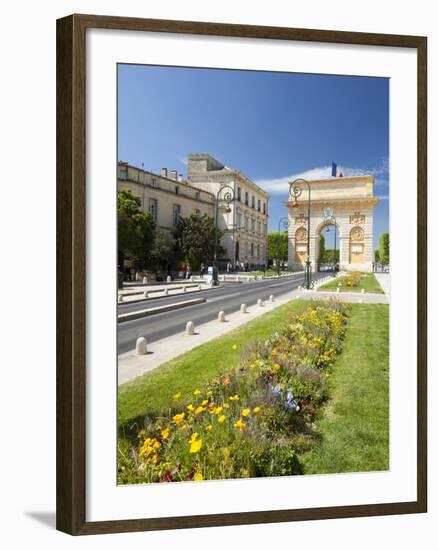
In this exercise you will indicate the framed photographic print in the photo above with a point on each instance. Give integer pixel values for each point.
(241, 288)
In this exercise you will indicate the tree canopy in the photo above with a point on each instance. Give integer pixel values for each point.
(277, 246)
(195, 238)
(384, 248)
(136, 230)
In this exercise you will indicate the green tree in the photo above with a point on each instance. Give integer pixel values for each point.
(195, 239)
(377, 256)
(277, 247)
(322, 251)
(163, 250)
(384, 248)
(136, 230)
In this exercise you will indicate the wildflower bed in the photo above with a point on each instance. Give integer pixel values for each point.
(354, 282)
(251, 421)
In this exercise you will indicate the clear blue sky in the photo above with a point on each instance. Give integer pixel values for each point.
(271, 126)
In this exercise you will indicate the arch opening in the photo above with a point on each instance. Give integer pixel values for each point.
(328, 247)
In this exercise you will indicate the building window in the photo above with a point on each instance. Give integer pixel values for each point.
(264, 208)
(239, 194)
(176, 213)
(123, 172)
(253, 202)
(253, 226)
(197, 212)
(246, 198)
(259, 228)
(154, 182)
(197, 195)
(258, 251)
(176, 189)
(252, 249)
(258, 205)
(246, 223)
(239, 220)
(153, 208)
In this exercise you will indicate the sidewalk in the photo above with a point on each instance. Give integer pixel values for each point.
(384, 281)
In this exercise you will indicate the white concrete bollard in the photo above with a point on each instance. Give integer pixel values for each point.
(338, 290)
(146, 294)
(199, 287)
(169, 279)
(190, 328)
(362, 291)
(145, 280)
(237, 278)
(184, 289)
(243, 308)
(221, 316)
(141, 346)
(260, 302)
(300, 287)
(166, 291)
(120, 297)
(360, 301)
(271, 298)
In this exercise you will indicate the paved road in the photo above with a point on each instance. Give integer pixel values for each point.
(227, 298)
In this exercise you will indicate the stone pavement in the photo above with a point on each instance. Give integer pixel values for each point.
(384, 281)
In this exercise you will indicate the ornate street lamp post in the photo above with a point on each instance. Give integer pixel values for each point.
(225, 200)
(331, 220)
(283, 222)
(294, 192)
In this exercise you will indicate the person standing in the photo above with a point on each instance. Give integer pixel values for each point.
(188, 271)
(202, 270)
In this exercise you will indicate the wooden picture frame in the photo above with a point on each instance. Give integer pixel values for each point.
(71, 273)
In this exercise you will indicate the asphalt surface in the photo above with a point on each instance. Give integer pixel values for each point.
(227, 298)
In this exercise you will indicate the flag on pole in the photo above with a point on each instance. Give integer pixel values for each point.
(334, 169)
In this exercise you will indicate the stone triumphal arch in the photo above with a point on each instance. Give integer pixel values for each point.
(352, 203)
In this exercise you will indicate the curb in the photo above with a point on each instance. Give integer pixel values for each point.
(155, 310)
(164, 296)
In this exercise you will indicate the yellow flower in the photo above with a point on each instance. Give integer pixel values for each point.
(246, 412)
(199, 410)
(195, 445)
(165, 433)
(179, 418)
(204, 402)
(234, 397)
(277, 366)
(198, 476)
(190, 408)
(240, 425)
(256, 410)
(176, 396)
(234, 347)
(209, 427)
(226, 405)
(209, 393)
(221, 419)
(194, 437)
(197, 392)
(142, 433)
(218, 410)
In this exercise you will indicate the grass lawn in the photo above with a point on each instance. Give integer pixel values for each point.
(152, 392)
(368, 282)
(355, 427)
(353, 430)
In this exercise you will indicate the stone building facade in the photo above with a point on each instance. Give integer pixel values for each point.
(166, 197)
(352, 202)
(245, 222)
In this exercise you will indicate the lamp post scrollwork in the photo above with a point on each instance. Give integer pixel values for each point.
(295, 191)
(223, 201)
